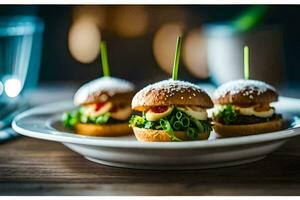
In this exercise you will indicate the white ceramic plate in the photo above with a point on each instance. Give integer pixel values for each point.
(44, 123)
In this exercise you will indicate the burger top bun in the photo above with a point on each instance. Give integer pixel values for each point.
(105, 89)
(245, 92)
(171, 92)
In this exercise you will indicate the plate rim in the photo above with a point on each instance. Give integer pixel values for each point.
(65, 137)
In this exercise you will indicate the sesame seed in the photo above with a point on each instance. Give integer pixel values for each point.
(246, 87)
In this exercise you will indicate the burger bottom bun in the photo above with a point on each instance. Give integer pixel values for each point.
(109, 130)
(150, 135)
(251, 129)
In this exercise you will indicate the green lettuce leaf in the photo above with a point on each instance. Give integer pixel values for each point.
(69, 119)
(227, 114)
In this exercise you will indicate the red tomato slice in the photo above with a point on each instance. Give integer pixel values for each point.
(99, 106)
(159, 109)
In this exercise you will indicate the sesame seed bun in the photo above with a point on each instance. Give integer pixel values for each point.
(108, 130)
(251, 129)
(149, 135)
(245, 92)
(170, 92)
(116, 90)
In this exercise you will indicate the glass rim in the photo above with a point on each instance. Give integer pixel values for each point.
(20, 25)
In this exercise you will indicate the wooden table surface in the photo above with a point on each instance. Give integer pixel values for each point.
(36, 167)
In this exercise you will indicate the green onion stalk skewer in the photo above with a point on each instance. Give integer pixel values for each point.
(177, 58)
(246, 63)
(104, 59)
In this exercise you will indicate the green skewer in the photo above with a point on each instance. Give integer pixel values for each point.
(246, 62)
(104, 59)
(177, 58)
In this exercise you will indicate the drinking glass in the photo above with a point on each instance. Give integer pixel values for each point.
(20, 53)
(225, 53)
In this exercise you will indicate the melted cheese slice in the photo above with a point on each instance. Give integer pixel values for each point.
(252, 111)
(152, 116)
(122, 114)
(195, 112)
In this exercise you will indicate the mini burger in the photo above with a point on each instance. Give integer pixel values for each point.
(172, 110)
(103, 108)
(243, 108)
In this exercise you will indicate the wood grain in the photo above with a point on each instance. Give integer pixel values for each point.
(35, 167)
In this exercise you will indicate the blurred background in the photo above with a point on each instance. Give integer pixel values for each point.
(63, 45)
(47, 52)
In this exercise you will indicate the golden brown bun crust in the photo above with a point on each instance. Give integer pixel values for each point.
(245, 93)
(252, 129)
(239, 99)
(169, 92)
(110, 130)
(149, 135)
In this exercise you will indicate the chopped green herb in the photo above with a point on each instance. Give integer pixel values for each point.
(185, 121)
(177, 125)
(191, 132)
(176, 121)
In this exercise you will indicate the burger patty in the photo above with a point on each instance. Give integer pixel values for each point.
(116, 121)
(251, 119)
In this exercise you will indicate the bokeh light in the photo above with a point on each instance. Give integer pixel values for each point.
(194, 53)
(164, 44)
(96, 14)
(12, 87)
(84, 40)
(130, 21)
